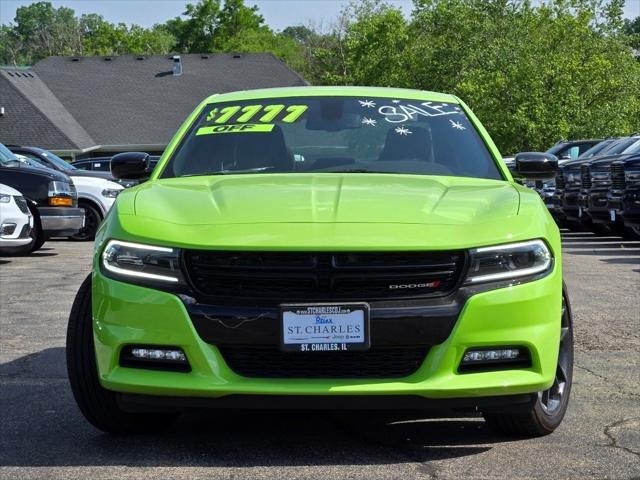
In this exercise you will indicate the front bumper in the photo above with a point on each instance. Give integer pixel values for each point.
(527, 315)
(61, 221)
(598, 207)
(19, 224)
(628, 207)
(571, 205)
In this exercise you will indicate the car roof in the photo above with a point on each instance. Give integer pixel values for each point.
(333, 92)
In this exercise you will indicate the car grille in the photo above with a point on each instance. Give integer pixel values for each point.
(559, 181)
(585, 177)
(260, 361)
(276, 277)
(22, 204)
(617, 177)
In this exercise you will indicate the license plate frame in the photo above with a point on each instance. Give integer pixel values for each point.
(324, 340)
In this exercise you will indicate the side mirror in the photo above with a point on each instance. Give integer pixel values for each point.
(536, 165)
(130, 165)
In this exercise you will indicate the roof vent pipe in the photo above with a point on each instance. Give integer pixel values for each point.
(177, 66)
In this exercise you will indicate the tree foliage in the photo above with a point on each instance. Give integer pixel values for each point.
(533, 71)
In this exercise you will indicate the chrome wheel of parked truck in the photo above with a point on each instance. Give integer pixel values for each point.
(324, 247)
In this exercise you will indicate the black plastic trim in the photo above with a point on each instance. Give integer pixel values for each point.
(144, 403)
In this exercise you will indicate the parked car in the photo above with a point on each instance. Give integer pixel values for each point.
(567, 150)
(95, 196)
(595, 188)
(51, 160)
(16, 220)
(51, 197)
(623, 200)
(324, 247)
(103, 164)
(566, 198)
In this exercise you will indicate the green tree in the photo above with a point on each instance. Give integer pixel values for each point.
(196, 33)
(42, 30)
(211, 25)
(632, 31)
(533, 73)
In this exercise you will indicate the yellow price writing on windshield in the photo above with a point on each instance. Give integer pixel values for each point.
(256, 113)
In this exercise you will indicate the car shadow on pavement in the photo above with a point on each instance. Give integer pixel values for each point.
(42, 426)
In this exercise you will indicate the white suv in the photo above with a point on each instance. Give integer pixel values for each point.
(16, 221)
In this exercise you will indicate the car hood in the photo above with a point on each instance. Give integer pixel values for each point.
(88, 173)
(326, 198)
(325, 212)
(49, 173)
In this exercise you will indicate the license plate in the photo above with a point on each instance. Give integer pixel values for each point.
(324, 327)
(612, 215)
(579, 212)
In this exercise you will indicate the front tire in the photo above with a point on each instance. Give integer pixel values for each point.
(92, 219)
(547, 412)
(98, 405)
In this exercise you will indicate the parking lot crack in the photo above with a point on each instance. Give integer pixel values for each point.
(613, 441)
(620, 388)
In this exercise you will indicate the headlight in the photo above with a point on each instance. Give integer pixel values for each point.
(632, 175)
(110, 192)
(5, 198)
(61, 194)
(142, 264)
(574, 178)
(511, 261)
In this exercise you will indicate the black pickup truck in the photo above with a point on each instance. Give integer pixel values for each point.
(623, 199)
(51, 196)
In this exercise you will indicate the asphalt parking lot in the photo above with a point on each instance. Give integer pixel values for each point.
(44, 435)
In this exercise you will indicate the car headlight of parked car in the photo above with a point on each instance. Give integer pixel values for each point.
(5, 198)
(523, 260)
(61, 194)
(110, 192)
(632, 176)
(142, 264)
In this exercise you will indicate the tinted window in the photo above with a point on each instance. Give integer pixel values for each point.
(596, 149)
(82, 165)
(333, 134)
(102, 166)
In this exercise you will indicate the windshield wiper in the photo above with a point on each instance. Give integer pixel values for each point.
(229, 172)
(352, 170)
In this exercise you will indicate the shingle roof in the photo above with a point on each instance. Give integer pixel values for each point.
(32, 114)
(136, 100)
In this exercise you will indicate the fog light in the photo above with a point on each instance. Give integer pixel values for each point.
(494, 359)
(154, 358)
(487, 355)
(7, 228)
(157, 354)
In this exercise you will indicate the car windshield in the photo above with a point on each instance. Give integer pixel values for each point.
(618, 146)
(7, 158)
(633, 148)
(56, 160)
(30, 162)
(596, 149)
(332, 134)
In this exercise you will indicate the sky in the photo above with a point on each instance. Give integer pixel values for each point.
(277, 13)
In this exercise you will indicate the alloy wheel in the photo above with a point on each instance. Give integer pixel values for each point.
(551, 400)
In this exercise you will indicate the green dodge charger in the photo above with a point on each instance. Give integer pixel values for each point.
(323, 247)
